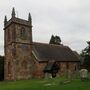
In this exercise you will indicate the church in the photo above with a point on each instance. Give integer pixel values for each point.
(25, 59)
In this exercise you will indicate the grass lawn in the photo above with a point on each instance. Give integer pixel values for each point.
(45, 84)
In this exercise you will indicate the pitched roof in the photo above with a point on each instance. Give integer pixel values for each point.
(47, 52)
(75, 52)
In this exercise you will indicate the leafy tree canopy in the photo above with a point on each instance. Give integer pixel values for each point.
(85, 54)
(1, 67)
(86, 51)
(55, 40)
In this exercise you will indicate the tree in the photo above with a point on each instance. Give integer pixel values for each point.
(55, 40)
(86, 56)
(52, 40)
(1, 67)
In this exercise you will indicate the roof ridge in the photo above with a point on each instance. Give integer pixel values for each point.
(50, 44)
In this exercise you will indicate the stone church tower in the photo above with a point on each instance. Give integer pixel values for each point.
(18, 48)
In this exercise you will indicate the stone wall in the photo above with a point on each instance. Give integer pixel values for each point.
(18, 62)
(23, 34)
(8, 64)
(18, 48)
(64, 68)
(22, 62)
(38, 71)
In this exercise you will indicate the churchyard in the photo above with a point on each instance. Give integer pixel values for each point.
(60, 83)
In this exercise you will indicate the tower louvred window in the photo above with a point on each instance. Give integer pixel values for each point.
(22, 32)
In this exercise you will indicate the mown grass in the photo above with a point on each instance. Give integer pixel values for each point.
(45, 84)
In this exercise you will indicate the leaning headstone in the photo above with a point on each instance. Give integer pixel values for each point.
(84, 74)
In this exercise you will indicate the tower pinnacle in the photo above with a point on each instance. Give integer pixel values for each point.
(29, 17)
(13, 12)
(5, 20)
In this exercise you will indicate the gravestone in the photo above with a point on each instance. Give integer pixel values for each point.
(48, 76)
(84, 74)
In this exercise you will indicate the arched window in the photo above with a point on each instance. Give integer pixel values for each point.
(22, 32)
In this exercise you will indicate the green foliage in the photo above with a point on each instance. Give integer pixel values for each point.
(86, 56)
(1, 67)
(55, 40)
(52, 40)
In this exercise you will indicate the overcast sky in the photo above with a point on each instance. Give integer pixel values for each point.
(69, 19)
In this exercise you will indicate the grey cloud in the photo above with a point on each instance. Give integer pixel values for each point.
(70, 19)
